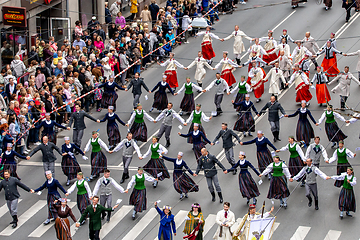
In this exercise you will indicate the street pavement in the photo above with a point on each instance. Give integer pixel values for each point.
(298, 221)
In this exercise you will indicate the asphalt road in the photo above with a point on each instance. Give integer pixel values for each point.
(297, 221)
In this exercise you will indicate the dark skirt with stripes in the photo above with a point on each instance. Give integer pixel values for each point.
(333, 132)
(187, 103)
(62, 228)
(98, 163)
(138, 200)
(239, 98)
(114, 136)
(70, 167)
(245, 123)
(52, 212)
(51, 136)
(278, 188)
(183, 183)
(264, 159)
(197, 150)
(295, 165)
(12, 168)
(189, 140)
(82, 202)
(157, 169)
(139, 131)
(341, 168)
(109, 99)
(248, 187)
(160, 101)
(347, 200)
(304, 131)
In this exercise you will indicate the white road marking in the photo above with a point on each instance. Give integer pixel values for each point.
(284, 20)
(209, 223)
(4, 209)
(300, 233)
(333, 235)
(141, 225)
(179, 219)
(114, 220)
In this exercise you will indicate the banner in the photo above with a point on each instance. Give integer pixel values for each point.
(14, 16)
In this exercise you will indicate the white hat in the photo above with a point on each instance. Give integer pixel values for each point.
(164, 76)
(66, 138)
(247, 95)
(93, 18)
(47, 114)
(225, 52)
(181, 153)
(242, 153)
(260, 132)
(196, 124)
(48, 172)
(9, 145)
(303, 101)
(111, 107)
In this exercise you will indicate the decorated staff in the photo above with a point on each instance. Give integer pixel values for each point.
(228, 66)
(138, 128)
(322, 92)
(171, 70)
(301, 85)
(206, 44)
(112, 128)
(48, 126)
(200, 71)
(109, 96)
(62, 224)
(167, 223)
(8, 161)
(243, 88)
(195, 117)
(245, 122)
(160, 97)
(220, 86)
(187, 104)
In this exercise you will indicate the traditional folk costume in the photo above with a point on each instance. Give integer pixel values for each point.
(315, 151)
(332, 129)
(259, 62)
(304, 130)
(281, 47)
(167, 224)
(156, 166)
(347, 196)
(273, 117)
(192, 227)
(199, 141)
(83, 194)
(200, 71)
(278, 184)
(257, 81)
(112, 128)
(166, 124)
(310, 44)
(195, 117)
(227, 69)
(322, 92)
(243, 88)
(329, 63)
(270, 45)
(220, 86)
(183, 183)
(171, 75)
(274, 74)
(301, 86)
(287, 38)
(357, 53)
(299, 53)
(109, 96)
(206, 44)
(62, 224)
(69, 164)
(284, 65)
(304, 66)
(160, 97)
(98, 158)
(342, 163)
(245, 121)
(238, 47)
(138, 128)
(188, 103)
(222, 232)
(258, 49)
(8, 162)
(48, 129)
(297, 158)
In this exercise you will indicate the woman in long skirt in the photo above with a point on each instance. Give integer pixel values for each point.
(301, 85)
(243, 88)
(245, 122)
(48, 128)
(304, 130)
(347, 196)
(156, 166)
(188, 103)
(160, 97)
(194, 224)
(138, 195)
(248, 187)
(329, 63)
(113, 132)
(322, 92)
(297, 159)
(332, 129)
(62, 224)
(195, 117)
(138, 128)
(341, 154)
(8, 161)
(278, 184)
(167, 223)
(183, 184)
(109, 96)
(98, 158)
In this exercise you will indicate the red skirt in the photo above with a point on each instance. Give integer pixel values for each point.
(322, 93)
(171, 78)
(228, 77)
(249, 78)
(330, 67)
(258, 89)
(303, 93)
(271, 57)
(207, 50)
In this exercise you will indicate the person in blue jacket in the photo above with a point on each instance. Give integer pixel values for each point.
(48, 126)
(160, 97)
(109, 96)
(6, 137)
(113, 132)
(167, 223)
(8, 161)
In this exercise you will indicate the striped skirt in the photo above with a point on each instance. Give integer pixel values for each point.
(109, 99)
(12, 168)
(188, 103)
(52, 212)
(139, 131)
(138, 200)
(201, 129)
(239, 98)
(82, 202)
(333, 132)
(183, 183)
(278, 188)
(114, 136)
(157, 169)
(347, 200)
(98, 163)
(160, 101)
(62, 228)
(70, 167)
(245, 122)
(248, 187)
(264, 159)
(51, 136)
(304, 131)
(197, 150)
(295, 165)
(341, 168)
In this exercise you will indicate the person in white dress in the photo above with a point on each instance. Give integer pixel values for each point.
(301, 85)
(256, 47)
(228, 66)
(200, 71)
(206, 44)
(224, 219)
(256, 75)
(285, 66)
(275, 74)
(171, 70)
(299, 53)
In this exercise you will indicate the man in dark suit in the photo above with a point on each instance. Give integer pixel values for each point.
(136, 83)
(273, 116)
(94, 210)
(227, 137)
(10, 184)
(48, 159)
(78, 117)
(10, 88)
(207, 162)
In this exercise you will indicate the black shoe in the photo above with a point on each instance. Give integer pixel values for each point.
(234, 172)
(213, 196)
(333, 145)
(122, 178)
(220, 196)
(302, 184)
(167, 144)
(103, 216)
(108, 218)
(258, 100)
(238, 61)
(275, 139)
(133, 217)
(82, 223)
(249, 134)
(310, 201)
(348, 214)
(316, 204)
(247, 202)
(14, 225)
(155, 184)
(200, 85)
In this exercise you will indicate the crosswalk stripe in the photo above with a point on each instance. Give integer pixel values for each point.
(209, 223)
(118, 216)
(141, 225)
(24, 217)
(179, 219)
(300, 233)
(39, 231)
(4, 209)
(333, 235)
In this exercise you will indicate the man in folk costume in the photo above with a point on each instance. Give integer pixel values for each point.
(225, 219)
(269, 46)
(310, 44)
(220, 86)
(275, 74)
(304, 65)
(283, 46)
(287, 37)
(284, 66)
(301, 85)
(257, 83)
(322, 92)
(299, 52)
(200, 71)
(171, 67)
(329, 63)
(188, 103)
(343, 87)
(206, 44)
(256, 47)
(357, 53)
(238, 48)
(315, 151)
(228, 66)
(259, 62)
